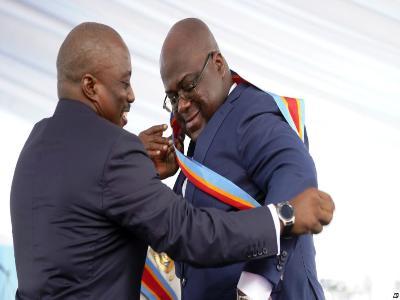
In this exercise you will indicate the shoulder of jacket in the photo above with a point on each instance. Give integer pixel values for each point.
(253, 100)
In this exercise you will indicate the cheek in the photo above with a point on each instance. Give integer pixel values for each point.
(112, 108)
(110, 104)
(116, 101)
(208, 107)
(210, 100)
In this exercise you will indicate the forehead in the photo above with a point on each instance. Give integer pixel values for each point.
(119, 61)
(175, 66)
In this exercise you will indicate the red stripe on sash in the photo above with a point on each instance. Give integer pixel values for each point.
(237, 79)
(292, 104)
(294, 112)
(154, 285)
(227, 199)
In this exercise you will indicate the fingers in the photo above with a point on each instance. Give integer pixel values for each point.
(158, 140)
(313, 210)
(154, 143)
(325, 217)
(171, 149)
(156, 147)
(327, 207)
(179, 145)
(153, 153)
(159, 151)
(325, 212)
(326, 202)
(156, 130)
(152, 136)
(316, 228)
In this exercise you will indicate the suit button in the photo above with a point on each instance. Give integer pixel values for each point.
(282, 258)
(183, 282)
(284, 253)
(279, 267)
(265, 251)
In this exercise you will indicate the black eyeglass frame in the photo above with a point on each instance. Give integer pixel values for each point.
(188, 90)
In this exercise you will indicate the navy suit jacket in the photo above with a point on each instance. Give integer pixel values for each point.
(86, 201)
(248, 141)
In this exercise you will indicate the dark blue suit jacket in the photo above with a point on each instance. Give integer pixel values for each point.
(248, 141)
(86, 201)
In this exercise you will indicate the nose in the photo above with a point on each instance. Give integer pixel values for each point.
(131, 95)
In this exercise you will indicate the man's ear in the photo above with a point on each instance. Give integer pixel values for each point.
(89, 86)
(220, 63)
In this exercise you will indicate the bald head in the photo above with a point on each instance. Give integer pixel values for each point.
(189, 35)
(188, 38)
(86, 49)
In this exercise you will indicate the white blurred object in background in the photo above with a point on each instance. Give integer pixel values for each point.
(342, 57)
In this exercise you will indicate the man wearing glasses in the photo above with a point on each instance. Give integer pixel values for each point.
(237, 131)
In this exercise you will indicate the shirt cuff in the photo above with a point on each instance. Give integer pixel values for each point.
(275, 217)
(254, 286)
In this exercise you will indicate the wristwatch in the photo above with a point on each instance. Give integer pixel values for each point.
(286, 215)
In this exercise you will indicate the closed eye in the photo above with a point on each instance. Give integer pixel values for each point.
(126, 83)
(189, 87)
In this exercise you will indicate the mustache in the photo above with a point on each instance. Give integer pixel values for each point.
(127, 108)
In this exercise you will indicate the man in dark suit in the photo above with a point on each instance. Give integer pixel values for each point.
(86, 200)
(238, 131)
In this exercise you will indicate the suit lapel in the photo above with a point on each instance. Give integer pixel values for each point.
(207, 135)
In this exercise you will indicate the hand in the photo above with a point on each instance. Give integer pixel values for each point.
(312, 209)
(160, 150)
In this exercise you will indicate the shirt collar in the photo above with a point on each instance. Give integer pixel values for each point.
(232, 88)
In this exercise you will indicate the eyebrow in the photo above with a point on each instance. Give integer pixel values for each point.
(128, 73)
(182, 80)
(186, 76)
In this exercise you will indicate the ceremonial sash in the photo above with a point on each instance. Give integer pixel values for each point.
(220, 187)
(214, 184)
(154, 286)
(292, 109)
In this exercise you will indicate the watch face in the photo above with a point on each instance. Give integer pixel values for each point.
(286, 212)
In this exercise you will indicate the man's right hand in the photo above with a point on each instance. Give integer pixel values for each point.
(160, 150)
(312, 209)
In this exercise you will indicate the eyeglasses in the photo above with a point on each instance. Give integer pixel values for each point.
(186, 91)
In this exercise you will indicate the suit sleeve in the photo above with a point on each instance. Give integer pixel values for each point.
(137, 200)
(279, 163)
